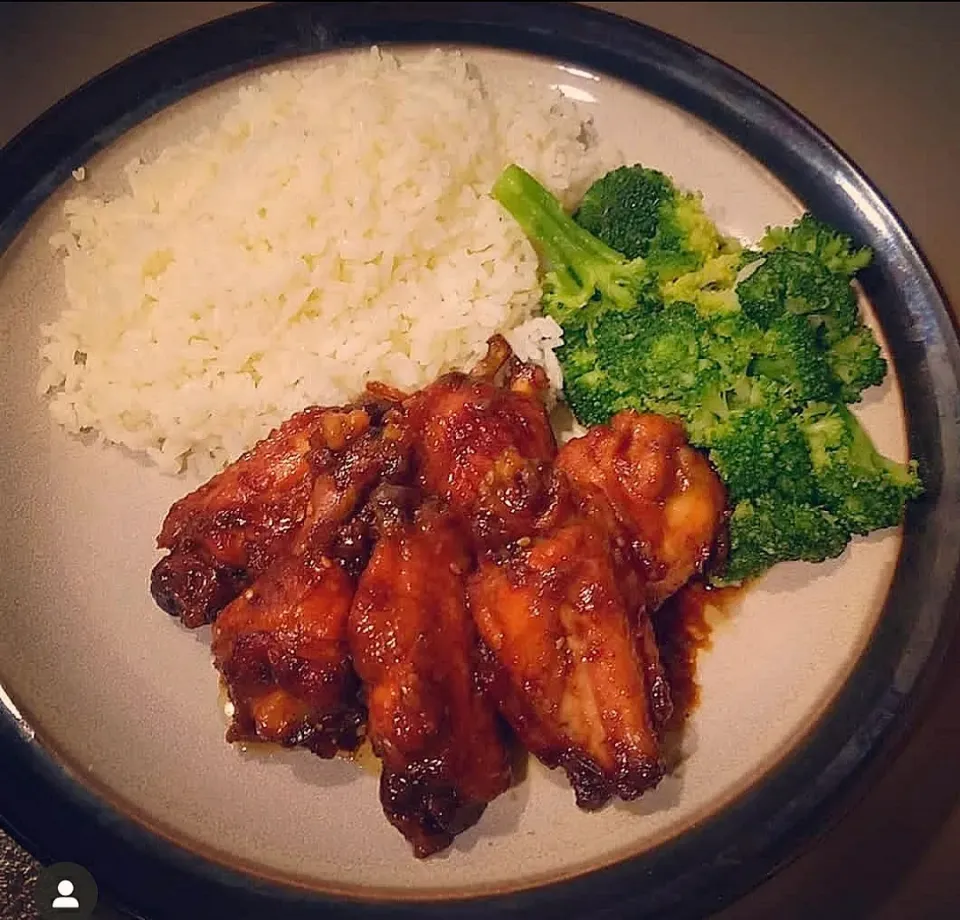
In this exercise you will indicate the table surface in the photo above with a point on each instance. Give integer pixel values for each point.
(883, 81)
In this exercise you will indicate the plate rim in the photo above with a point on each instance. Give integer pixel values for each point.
(60, 817)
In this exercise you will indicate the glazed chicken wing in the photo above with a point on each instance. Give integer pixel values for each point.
(414, 647)
(661, 491)
(281, 648)
(224, 534)
(229, 530)
(410, 564)
(281, 645)
(562, 659)
(481, 440)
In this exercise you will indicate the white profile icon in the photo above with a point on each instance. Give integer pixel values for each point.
(66, 901)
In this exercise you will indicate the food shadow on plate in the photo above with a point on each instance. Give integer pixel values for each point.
(305, 766)
(876, 395)
(90, 440)
(789, 577)
(500, 819)
(200, 634)
(678, 746)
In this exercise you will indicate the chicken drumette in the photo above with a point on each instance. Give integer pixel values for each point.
(222, 535)
(482, 442)
(421, 561)
(640, 472)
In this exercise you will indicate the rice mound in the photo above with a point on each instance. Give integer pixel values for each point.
(334, 227)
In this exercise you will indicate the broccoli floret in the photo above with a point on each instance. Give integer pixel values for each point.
(592, 396)
(833, 249)
(862, 488)
(710, 288)
(664, 349)
(622, 347)
(760, 451)
(673, 361)
(789, 353)
(797, 282)
(647, 359)
(747, 256)
(856, 363)
(580, 267)
(768, 530)
(641, 213)
(623, 209)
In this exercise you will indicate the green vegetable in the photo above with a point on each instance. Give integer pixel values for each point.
(856, 363)
(832, 249)
(581, 269)
(755, 352)
(640, 213)
(789, 354)
(863, 489)
(633, 211)
(797, 283)
(762, 452)
(768, 530)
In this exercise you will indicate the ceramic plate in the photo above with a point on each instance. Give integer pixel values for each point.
(112, 732)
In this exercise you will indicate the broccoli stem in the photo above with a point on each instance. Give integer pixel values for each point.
(564, 244)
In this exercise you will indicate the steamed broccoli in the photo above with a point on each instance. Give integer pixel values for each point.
(797, 282)
(856, 363)
(640, 213)
(658, 317)
(863, 489)
(789, 353)
(617, 355)
(831, 248)
(664, 359)
(806, 272)
(624, 209)
(768, 530)
(761, 452)
(583, 272)
(711, 288)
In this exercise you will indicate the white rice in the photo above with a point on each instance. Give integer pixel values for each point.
(335, 227)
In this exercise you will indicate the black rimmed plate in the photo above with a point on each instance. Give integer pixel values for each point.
(113, 752)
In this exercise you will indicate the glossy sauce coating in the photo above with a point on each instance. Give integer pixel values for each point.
(684, 627)
(414, 646)
(222, 535)
(662, 492)
(563, 662)
(426, 570)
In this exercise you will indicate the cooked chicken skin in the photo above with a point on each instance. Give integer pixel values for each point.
(414, 647)
(222, 535)
(481, 442)
(347, 468)
(281, 647)
(411, 564)
(562, 659)
(662, 492)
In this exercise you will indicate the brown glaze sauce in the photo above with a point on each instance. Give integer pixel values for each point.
(683, 626)
(363, 756)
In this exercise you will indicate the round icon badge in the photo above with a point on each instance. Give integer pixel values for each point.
(65, 890)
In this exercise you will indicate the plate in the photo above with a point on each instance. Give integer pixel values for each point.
(113, 750)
